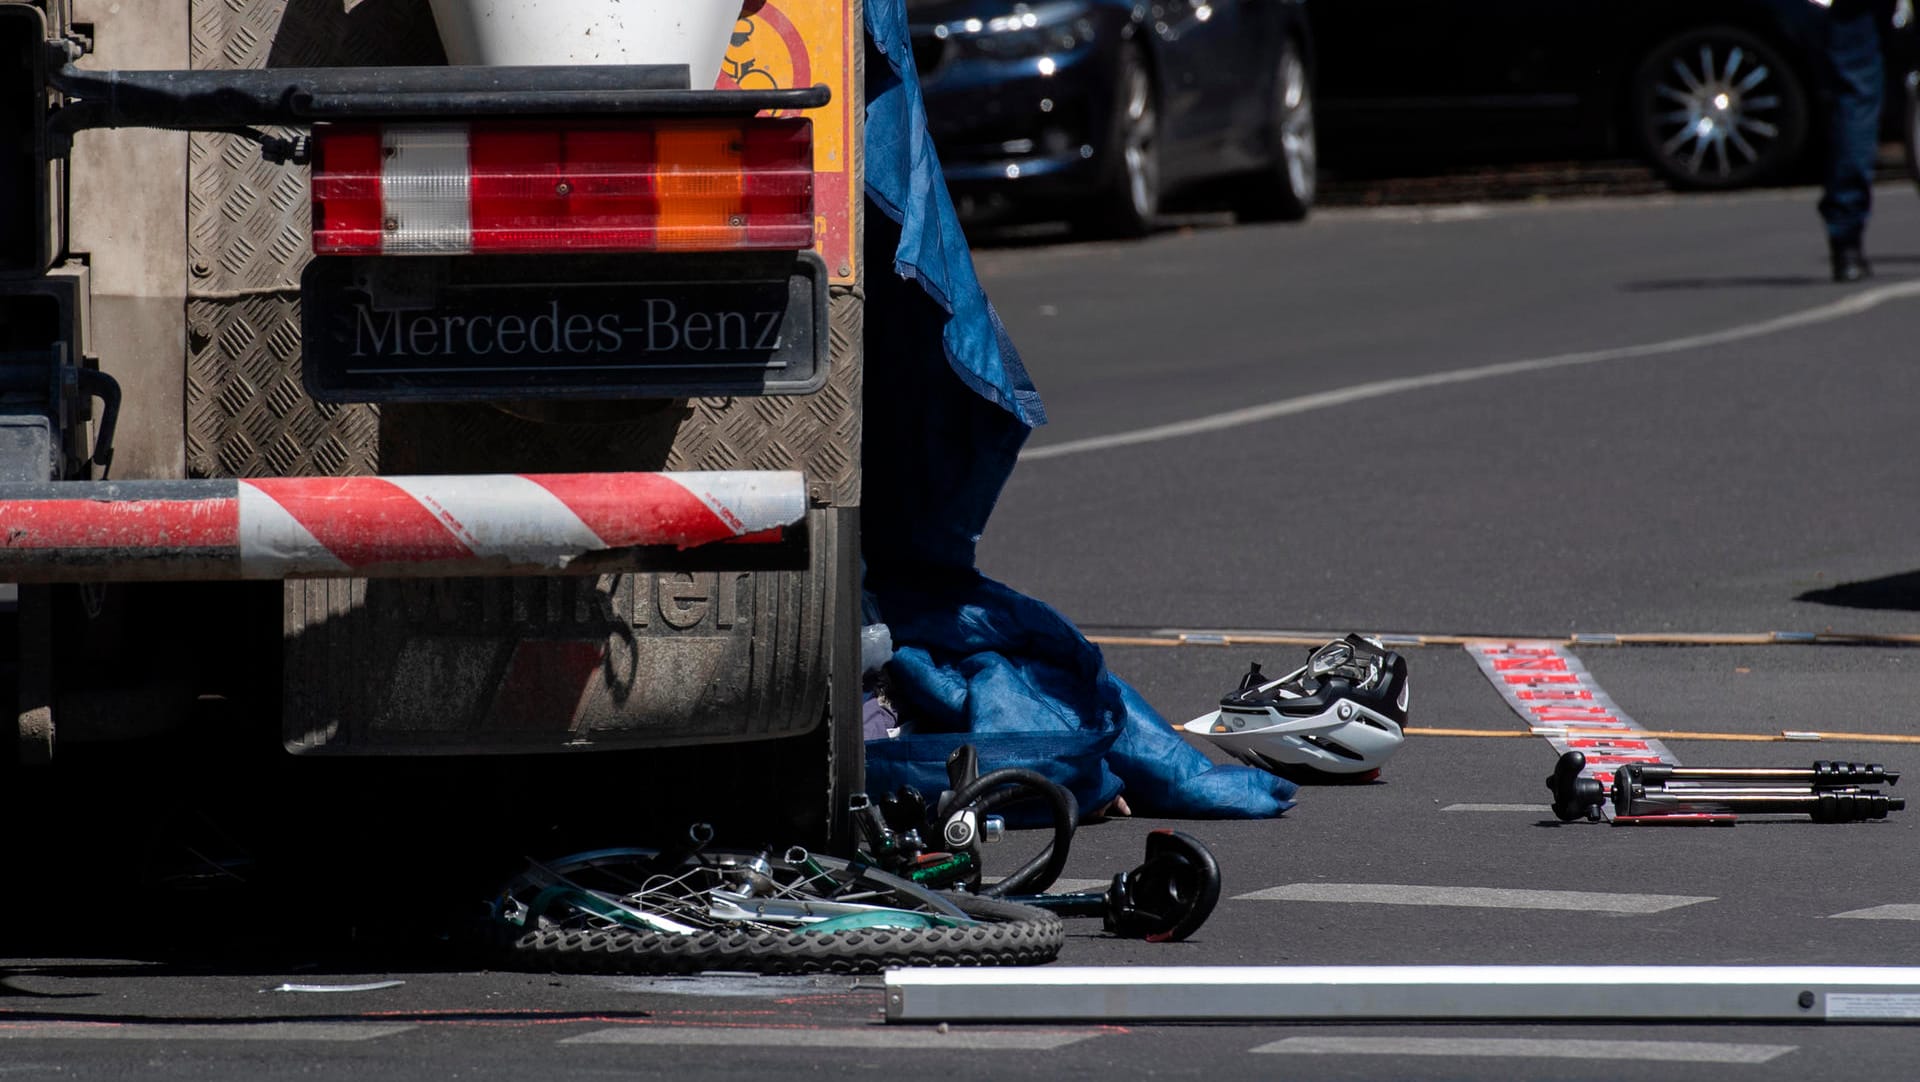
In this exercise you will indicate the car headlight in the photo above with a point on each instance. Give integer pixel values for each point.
(1029, 30)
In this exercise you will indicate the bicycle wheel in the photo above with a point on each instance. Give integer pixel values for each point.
(634, 911)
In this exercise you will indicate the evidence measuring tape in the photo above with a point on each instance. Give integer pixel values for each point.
(1559, 700)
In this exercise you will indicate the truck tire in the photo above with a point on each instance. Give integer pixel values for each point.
(801, 784)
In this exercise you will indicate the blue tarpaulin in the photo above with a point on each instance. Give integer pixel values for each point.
(948, 405)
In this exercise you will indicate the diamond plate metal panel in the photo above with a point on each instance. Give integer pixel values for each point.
(248, 219)
(247, 415)
(247, 238)
(248, 224)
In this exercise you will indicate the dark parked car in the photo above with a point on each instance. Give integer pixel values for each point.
(1097, 110)
(1712, 93)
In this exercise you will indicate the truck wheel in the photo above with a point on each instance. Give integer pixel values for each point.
(783, 791)
(804, 781)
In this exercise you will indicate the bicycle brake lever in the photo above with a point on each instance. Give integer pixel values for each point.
(963, 769)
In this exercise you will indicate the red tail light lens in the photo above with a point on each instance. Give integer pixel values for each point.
(693, 185)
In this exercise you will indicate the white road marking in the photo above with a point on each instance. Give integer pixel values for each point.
(1463, 212)
(1850, 305)
(918, 1038)
(1662, 1051)
(214, 1031)
(1881, 912)
(1475, 897)
(1539, 809)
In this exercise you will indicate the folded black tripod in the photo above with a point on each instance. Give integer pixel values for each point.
(1829, 792)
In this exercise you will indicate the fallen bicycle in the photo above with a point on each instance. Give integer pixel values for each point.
(1164, 899)
(685, 911)
(690, 909)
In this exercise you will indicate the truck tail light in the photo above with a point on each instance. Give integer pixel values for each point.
(450, 189)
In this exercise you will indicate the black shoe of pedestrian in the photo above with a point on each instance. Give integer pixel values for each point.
(1849, 262)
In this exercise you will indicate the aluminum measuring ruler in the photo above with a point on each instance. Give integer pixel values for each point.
(1405, 993)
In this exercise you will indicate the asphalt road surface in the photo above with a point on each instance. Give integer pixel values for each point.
(1647, 416)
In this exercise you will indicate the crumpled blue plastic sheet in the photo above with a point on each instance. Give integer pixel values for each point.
(948, 405)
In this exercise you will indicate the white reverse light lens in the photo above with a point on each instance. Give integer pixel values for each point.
(424, 191)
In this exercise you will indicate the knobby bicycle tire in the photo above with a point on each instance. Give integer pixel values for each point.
(1008, 934)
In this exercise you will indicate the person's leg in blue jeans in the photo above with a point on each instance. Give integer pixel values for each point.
(1856, 79)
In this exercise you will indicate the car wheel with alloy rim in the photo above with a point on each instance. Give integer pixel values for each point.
(1129, 196)
(1284, 192)
(1718, 107)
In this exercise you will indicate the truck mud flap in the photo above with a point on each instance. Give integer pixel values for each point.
(522, 665)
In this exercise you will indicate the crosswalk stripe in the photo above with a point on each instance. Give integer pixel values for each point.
(919, 1039)
(1664, 1051)
(1905, 911)
(1475, 897)
(212, 1031)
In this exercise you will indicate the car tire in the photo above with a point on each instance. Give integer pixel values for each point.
(1284, 192)
(1128, 199)
(1717, 107)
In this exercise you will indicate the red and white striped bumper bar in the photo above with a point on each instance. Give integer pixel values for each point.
(383, 527)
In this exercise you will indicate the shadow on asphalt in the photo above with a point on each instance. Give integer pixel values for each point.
(1738, 281)
(1897, 592)
(193, 855)
(1760, 281)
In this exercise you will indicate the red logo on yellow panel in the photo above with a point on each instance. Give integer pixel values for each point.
(767, 51)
